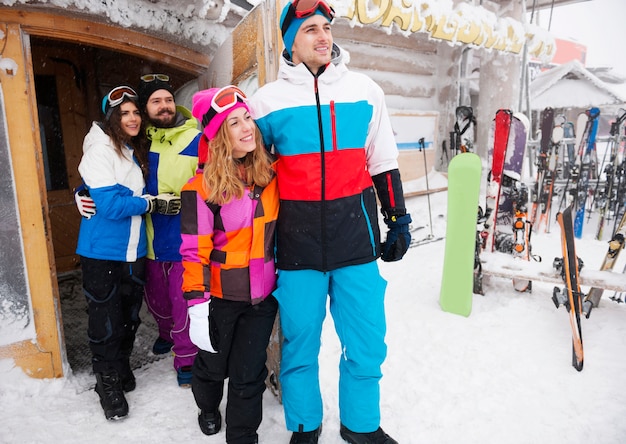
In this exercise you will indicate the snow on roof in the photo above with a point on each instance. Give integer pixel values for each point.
(201, 22)
(571, 86)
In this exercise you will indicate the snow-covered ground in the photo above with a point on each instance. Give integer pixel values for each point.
(501, 375)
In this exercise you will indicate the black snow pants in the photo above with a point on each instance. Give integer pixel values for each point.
(114, 292)
(242, 333)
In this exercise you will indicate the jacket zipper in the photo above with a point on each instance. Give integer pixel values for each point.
(323, 208)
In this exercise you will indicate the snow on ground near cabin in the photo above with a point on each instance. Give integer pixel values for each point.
(503, 374)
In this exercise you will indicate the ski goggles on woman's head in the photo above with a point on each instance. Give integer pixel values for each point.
(153, 77)
(306, 8)
(223, 100)
(117, 95)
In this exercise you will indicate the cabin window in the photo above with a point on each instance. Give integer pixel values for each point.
(51, 133)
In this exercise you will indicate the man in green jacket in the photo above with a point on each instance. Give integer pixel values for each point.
(172, 161)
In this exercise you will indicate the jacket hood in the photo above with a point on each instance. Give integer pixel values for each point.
(184, 121)
(95, 135)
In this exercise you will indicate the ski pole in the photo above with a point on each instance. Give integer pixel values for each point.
(609, 147)
(423, 150)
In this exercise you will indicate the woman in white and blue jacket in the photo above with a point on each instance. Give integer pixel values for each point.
(112, 243)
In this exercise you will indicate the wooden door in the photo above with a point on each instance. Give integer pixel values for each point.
(64, 117)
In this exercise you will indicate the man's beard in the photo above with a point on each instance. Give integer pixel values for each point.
(164, 120)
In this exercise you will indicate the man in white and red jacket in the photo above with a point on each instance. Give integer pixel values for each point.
(332, 134)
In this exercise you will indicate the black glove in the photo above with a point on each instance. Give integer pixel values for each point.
(167, 204)
(398, 238)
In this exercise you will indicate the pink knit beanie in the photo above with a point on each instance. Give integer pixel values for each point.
(201, 106)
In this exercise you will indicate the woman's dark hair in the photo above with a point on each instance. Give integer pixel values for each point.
(140, 144)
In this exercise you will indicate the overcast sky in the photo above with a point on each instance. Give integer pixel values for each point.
(598, 24)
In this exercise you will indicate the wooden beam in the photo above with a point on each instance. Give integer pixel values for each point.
(42, 359)
(114, 38)
(33, 361)
(504, 265)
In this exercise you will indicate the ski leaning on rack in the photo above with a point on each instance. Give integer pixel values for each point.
(607, 198)
(549, 174)
(498, 139)
(588, 165)
(543, 181)
(573, 135)
(520, 226)
(570, 147)
(511, 181)
(521, 234)
(553, 167)
(570, 296)
(616, 244)
(509, 230)
(464, 174)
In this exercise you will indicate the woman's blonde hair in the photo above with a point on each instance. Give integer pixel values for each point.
(226, 178)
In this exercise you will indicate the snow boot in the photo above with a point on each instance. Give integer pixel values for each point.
(112, 400)
(183, 375)
(127, 378)
(376, 437)
(161, 346)
(128, 382)
(210, 422)
(306, 437)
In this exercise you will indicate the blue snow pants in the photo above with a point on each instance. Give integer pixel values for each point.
(357, 307)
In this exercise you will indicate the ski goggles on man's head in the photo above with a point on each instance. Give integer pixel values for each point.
(117, 95)
(306, 8)
(223, 100)
(153, 77)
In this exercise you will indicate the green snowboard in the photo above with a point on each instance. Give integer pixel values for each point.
(464, 173)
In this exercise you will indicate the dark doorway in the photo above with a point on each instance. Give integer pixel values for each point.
(70, 81)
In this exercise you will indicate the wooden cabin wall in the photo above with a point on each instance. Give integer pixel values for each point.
(65, 65)
(407, 68)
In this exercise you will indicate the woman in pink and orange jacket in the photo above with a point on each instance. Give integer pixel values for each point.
(229, 212)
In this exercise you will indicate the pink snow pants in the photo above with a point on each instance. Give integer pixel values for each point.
(164, 300)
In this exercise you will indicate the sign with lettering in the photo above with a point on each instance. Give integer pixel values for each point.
(463, 24)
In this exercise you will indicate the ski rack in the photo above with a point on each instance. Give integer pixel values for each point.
(424, 192)
(505, 266)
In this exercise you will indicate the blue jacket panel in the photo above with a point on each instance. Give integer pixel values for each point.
(116, 184)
